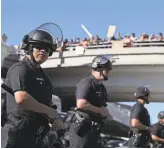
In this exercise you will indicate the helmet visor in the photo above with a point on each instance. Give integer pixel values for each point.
(54, 30)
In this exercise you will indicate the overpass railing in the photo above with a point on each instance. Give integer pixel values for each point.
(145, 43)
(100, 45)
(105, 45)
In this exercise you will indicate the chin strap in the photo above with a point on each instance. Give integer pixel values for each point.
(146, 99)
(101, 73)
(30, 52)
(33, 60)
(105, 77)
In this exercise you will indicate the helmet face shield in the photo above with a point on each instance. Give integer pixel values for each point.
(54, 30)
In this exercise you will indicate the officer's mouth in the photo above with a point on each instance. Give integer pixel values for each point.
(42, 55)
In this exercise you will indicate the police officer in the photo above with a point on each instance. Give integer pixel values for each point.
(158, 131)
(140, 120)
(91, 96)
(29, 109)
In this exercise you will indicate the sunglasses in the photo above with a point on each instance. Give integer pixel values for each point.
(41, 47)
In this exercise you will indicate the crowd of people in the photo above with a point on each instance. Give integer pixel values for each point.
(127, 39)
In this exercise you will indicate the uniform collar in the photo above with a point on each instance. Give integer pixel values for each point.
(31, 64)
(140, 103)
(95, 80)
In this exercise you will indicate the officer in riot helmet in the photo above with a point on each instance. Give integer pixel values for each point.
(140, 120)
(29, 110)
(158, 131)
(91, 97)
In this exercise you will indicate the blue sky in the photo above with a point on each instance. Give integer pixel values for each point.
(20, 16)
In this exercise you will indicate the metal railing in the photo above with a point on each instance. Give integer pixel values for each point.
(105, 45)
(146, 44)
(101, 45)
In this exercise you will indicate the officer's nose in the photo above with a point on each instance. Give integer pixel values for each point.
(45, 50)
(42, 50)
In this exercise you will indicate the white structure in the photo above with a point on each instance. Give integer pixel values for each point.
(132, 67)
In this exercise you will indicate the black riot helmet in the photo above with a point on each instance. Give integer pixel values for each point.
(101, 63)
(142, 92)
(46, 35)
(161, 115)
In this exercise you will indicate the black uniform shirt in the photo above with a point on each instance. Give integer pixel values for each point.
(158, 130)
(140, 113)
(92, 90)
(24, 76)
